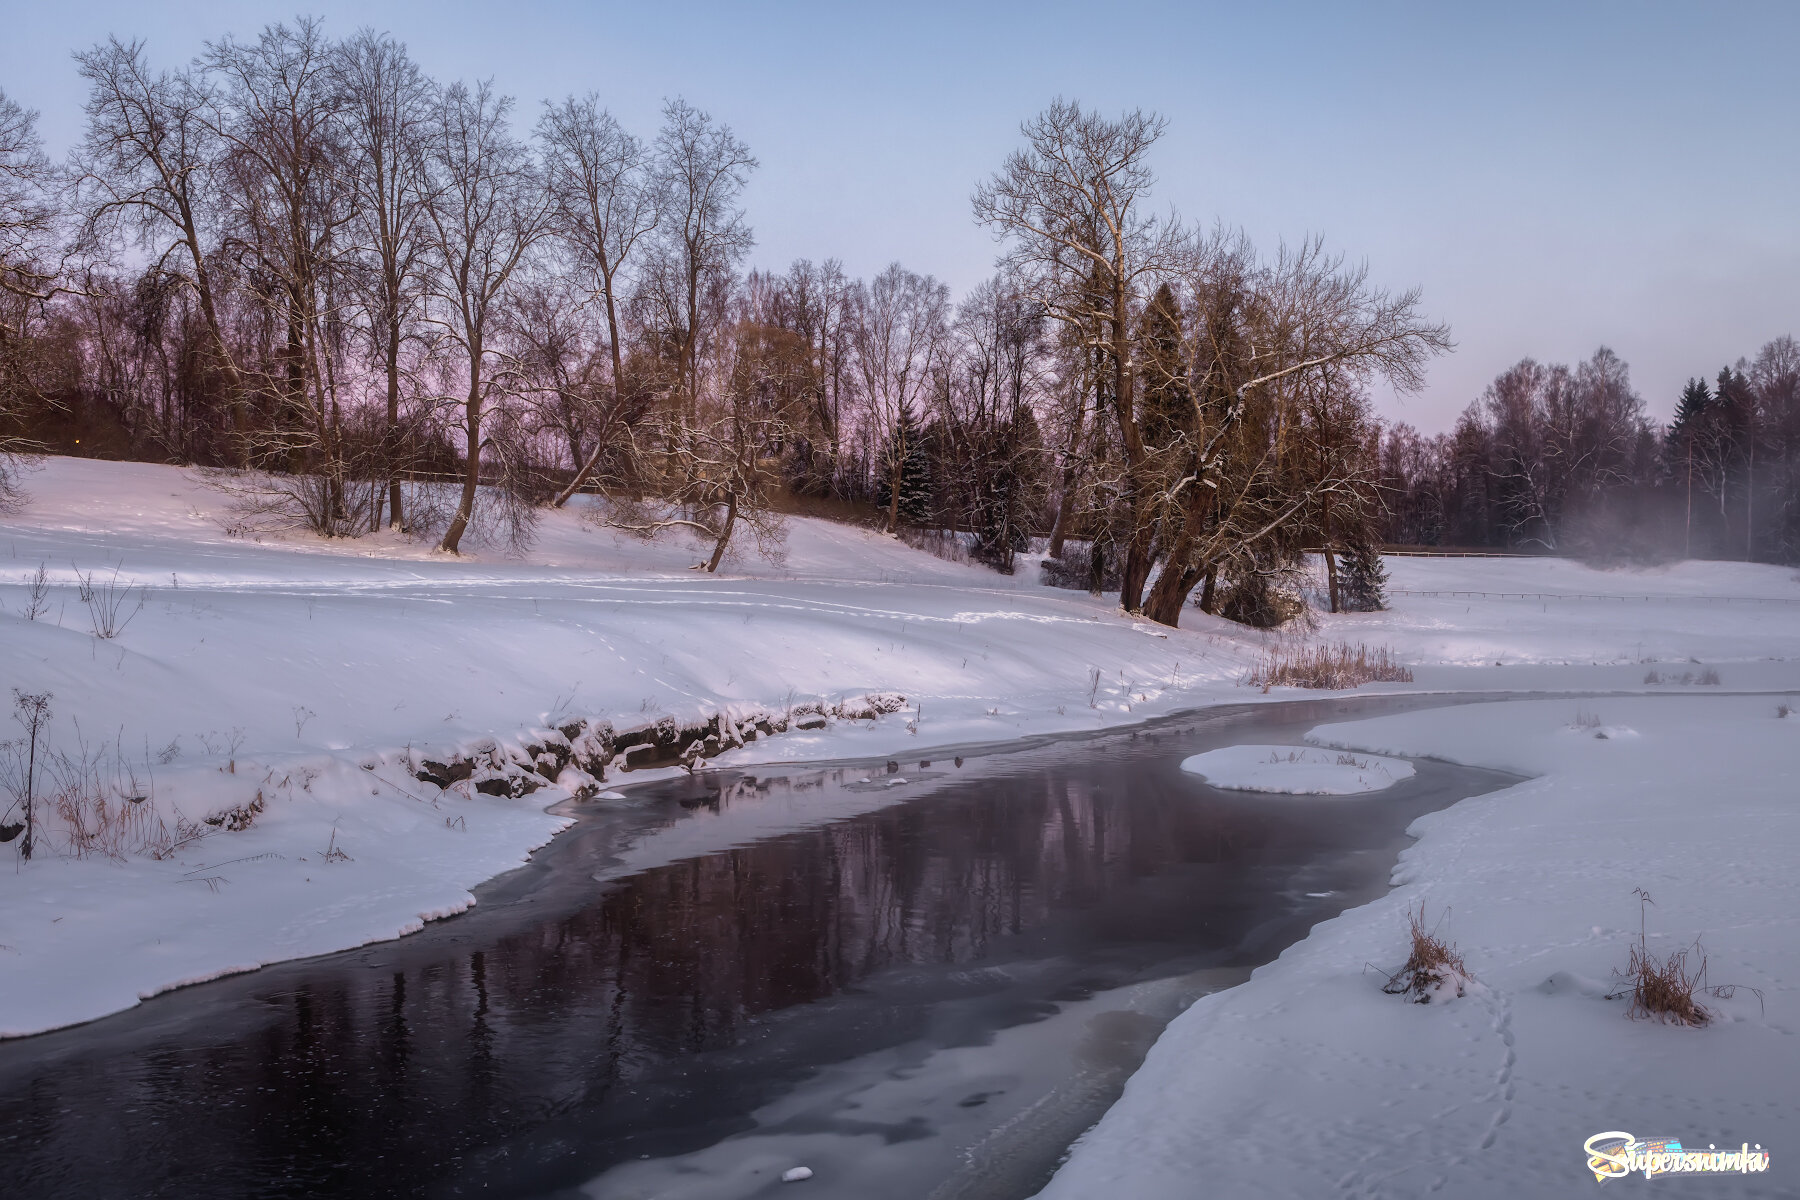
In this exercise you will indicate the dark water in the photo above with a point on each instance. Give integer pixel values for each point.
(573, 1023)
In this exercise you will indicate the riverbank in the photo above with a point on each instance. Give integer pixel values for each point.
(1309, 1080)
(918, 988)
(272, 704)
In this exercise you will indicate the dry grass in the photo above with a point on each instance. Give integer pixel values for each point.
(97, 804)
(937, 542)
(1330, 667)
(1433, 966)
(1664, 989)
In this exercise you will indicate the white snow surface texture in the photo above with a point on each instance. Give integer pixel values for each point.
(1297, 770)
(310, 670)
(1310, 1081)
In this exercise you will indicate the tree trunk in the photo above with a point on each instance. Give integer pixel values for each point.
(390, 450)
(472, 473)
(1137, 555)
(1137, 563)
(1177, 581)
(1331, 577)
(718, 553)
(612, 333)
(1065, 501)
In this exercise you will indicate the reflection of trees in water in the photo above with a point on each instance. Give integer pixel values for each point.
(684, 953)
(369, 1081)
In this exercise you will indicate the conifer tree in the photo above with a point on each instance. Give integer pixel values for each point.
(915, 472)
(1362, 580)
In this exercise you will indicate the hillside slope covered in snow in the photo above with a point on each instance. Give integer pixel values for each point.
(295, 685)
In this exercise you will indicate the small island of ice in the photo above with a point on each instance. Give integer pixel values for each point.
(1297, 770)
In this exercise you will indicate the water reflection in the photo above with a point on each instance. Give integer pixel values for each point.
(524, 1049)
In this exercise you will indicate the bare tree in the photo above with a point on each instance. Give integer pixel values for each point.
(387, 112)
(28, 214)
(1072, 206)
(284, 198)
(601, 179)
(1775, 379)
(489, 208)
(1247, 464)
(899, 330)
(701, 169)
(28, 279)
(145, 170)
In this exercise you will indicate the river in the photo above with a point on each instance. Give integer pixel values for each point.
(921, 978)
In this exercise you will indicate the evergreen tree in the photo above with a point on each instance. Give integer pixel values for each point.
(1362, 579)
(1690, 412)
(908, 440)
(1168, 403)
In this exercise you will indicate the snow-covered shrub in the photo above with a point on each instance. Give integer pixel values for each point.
(1434, 969)
(1262, 601)
(1080, 568)
(940, 543)
(1663, 989)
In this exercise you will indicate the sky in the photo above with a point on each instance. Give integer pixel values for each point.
(1553, 178)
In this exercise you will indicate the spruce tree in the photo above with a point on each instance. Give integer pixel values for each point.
(1168, 403)
(1690, 410)
(915, 472)
(1362, 579)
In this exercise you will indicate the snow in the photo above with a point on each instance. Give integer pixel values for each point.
(317, 673)
(1296, 770)
(1310, 1081)
(287, 665)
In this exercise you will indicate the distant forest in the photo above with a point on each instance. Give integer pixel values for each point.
(359, 298)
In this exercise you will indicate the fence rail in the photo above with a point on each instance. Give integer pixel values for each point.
(1462, 594)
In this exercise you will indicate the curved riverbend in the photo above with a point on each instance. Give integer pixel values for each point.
(918, 988)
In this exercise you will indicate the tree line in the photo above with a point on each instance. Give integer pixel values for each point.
(363, 298)
(1560, 460)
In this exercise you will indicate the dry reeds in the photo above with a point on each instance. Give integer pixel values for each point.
(1330, 667)
(1663, 989)
(1433, 967)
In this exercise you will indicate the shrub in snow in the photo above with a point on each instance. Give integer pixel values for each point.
(1259, 601)
(1092, 567)
(1433, 970)
(1330, 667)
(1663, 989)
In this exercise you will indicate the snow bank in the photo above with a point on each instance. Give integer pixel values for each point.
(295, 689)
(1297, 770)
(1309, 1081)
(425, 711)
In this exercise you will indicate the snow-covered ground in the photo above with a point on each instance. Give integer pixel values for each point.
(313, 673)
(1297, 770)
(1310, 1081)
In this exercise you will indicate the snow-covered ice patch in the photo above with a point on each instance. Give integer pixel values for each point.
(1297, 770)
